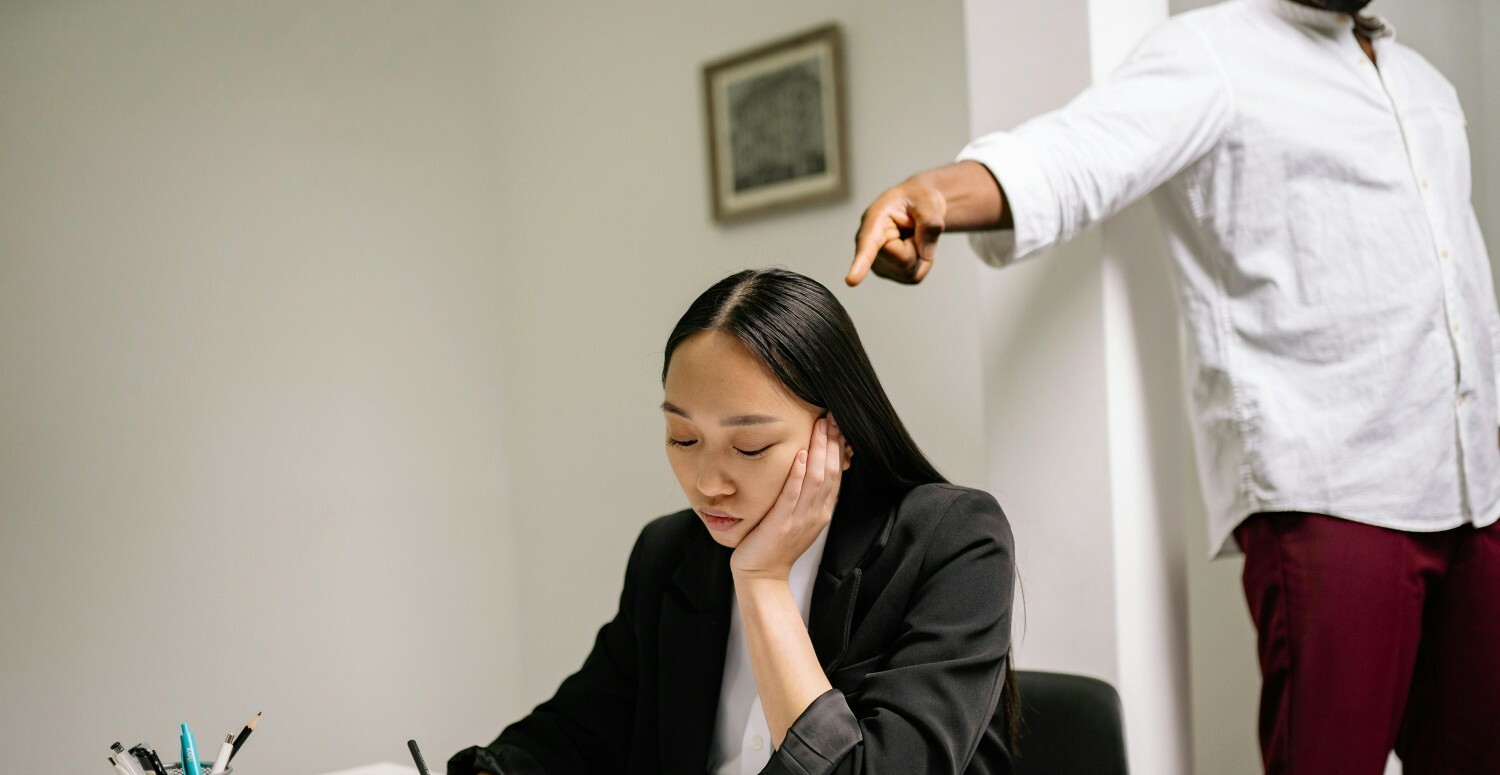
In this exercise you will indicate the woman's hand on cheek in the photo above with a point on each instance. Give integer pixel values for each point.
(803, 510)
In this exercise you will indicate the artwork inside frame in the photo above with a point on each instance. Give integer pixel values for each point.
(776, 125)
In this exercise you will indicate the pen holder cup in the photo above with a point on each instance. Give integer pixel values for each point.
(175, 768)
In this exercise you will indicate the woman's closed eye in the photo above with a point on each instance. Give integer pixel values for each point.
(749, 453)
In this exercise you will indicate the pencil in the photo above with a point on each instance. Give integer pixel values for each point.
(244, 733)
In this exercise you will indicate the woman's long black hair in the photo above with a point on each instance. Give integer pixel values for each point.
(800, 331)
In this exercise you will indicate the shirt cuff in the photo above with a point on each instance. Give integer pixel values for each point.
(819, 739)
(1032, 203)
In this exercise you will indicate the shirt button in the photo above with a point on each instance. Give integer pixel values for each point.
(756, 742)
(1455, 328)
(1445, 253)
(1460, 398)
(1424, 183)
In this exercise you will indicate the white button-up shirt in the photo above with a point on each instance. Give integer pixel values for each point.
(1341, 337)
(742, 739)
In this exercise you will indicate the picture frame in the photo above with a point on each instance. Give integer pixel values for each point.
(776, 125)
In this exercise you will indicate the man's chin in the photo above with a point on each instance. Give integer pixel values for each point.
(1350, 7)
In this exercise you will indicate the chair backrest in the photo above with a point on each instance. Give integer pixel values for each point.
(1070, 725)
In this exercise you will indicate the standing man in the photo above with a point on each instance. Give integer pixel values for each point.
(1342, 348)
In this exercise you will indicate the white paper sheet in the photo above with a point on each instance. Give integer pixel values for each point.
(383, 768)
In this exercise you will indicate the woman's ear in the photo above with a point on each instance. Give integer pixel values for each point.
(848, 456)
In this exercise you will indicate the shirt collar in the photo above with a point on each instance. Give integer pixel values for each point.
(1323, 20)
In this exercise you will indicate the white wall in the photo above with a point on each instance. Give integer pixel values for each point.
(251, 445)
(1084, 416)
(1041, 326)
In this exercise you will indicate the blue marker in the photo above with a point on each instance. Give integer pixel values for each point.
(189, 753)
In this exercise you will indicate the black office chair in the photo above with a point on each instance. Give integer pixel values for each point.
(1070, 725)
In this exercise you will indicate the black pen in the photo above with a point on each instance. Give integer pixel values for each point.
(416, 754)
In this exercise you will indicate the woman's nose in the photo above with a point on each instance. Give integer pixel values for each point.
(713, 481)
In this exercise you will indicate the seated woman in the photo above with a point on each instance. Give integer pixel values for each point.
(828, 604)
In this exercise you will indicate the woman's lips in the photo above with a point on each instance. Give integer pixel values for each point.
(718, 521)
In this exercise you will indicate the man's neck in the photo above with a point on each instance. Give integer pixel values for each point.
(1367, 45)
(1326, 5)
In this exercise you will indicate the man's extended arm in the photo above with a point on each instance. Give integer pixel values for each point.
(1051, 178)
(900, 229)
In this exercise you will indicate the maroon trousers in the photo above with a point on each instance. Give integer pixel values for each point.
(1372, 639)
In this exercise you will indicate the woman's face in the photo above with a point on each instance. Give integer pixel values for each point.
(733, 431)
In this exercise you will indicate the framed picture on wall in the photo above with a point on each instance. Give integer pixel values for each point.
(776, 125)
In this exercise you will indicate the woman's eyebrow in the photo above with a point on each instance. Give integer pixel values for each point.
(750, 419)
(738, 420)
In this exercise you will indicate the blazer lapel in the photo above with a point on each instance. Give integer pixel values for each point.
(693, 634)
(852, 545)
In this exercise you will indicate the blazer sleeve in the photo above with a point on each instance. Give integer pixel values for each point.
(585, 727)
(935, 695)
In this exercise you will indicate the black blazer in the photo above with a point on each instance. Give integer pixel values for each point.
(910, 618)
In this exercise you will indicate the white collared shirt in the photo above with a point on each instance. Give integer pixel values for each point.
(1341, 338)
(742, 739)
